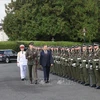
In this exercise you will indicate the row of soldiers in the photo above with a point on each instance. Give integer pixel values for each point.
(79, 63)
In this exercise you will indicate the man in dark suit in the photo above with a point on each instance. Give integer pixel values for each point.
(46, 61)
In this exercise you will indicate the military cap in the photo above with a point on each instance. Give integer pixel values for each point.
(22, 46)
(31, 43)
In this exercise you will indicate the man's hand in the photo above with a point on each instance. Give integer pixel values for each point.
(51, 64)
(29, 56)
(18, 64)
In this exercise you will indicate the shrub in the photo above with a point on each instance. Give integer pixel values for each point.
(15, 44)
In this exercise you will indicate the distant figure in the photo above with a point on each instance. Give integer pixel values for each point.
(32, 57)
(22, 62)
(46, 61)
(52, 39)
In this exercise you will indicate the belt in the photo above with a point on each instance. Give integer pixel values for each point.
(86, 65)
(55, 56)
(62, 58)
(91, 67)
(80, 65)
(66, 60)
(54, 61)
(96, 59)
(97, 67)
(58, 62)
(69, 58)
(74, 64)
(84, 60)
(89, 60)
(78, 58)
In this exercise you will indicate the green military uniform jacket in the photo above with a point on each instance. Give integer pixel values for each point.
(32, 56)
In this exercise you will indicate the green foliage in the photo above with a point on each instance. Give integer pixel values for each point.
(8, 45)
(15, 44)
(44, 19)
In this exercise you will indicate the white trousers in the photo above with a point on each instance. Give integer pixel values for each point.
(23, 71)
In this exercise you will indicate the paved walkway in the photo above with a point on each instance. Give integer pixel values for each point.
(12, 88)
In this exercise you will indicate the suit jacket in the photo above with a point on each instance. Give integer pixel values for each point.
(46, 59)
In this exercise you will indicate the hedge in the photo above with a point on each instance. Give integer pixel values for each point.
(15, 44)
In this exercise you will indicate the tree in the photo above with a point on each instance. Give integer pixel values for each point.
(44, 19)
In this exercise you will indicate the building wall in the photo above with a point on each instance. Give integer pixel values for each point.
(3, 36)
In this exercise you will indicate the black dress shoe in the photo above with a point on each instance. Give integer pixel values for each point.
(94, 85)
(31, 82)
(46, 81)
(78, 81)
(82, 82)
(72, 79)
(36, 82)
(25, 79)
(75, 80)
(98, 87)
(86, 84)
(68, 78)
(22, 79)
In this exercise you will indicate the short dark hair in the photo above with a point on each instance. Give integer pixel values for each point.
(31, 43)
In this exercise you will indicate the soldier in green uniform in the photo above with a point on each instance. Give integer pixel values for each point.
(97, 65)
(74, 55)
(70, 60)
(38, 49)
(52, 49)
(78, 60)
(65, 60)
(66, 63)
(54, 57)
(85, 66)
(63, 68)
(32, 57)
(91, 63)
(83, 57)
(56, 62)
(61, 61)
(69, 75)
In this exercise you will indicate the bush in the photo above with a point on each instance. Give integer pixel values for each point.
(8, 45)
(15, 44)
(50, 43)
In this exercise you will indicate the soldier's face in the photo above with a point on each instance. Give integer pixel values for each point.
(68, 50)
(84, 48)
(90, 48)
(96, 48)
(30, 46)
(79, 48)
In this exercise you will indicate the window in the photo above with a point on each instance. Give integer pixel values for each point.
(14, 52)
(1, 52)
(9, 52)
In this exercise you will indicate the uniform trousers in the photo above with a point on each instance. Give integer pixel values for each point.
(23, 71)
(32, 69)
